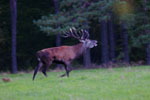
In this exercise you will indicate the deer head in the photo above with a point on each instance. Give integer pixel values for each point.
(82, 35)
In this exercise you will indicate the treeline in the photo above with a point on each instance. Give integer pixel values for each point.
(121, 27)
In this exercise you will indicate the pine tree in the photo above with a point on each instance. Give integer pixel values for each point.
(13, 9)
(79, 14)
(139, 29)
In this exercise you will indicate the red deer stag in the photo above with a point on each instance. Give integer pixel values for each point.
(64, 54)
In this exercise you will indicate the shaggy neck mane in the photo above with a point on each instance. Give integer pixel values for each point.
(79, 49)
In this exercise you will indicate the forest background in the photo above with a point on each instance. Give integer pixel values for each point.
(122, 28)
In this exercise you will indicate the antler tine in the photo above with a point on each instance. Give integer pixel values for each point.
(82, 34)
(65, 34)
(73, 33)
(86, 34)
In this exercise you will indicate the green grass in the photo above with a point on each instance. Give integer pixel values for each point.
(128, 83)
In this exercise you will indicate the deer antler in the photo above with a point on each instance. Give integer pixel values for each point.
(80, 35)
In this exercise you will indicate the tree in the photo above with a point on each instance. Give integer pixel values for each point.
(148, 53)
(104, 42)
(148, 32)
(79, 14)
(123, 10)
(58, 39)
(111, 39)
(125, 43)
(139, 28)
(13, 11)
(58, 23)
(56, 6)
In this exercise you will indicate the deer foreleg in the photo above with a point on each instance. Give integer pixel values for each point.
(67, 71)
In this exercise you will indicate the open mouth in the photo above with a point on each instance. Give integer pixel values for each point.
(95, 43)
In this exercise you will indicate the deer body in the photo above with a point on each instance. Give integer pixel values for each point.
(62, 55)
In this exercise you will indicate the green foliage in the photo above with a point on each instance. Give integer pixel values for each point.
(139, 28)
(29, 38)
(81, 14)
(128, 83)
(5, 38)
(75, 13)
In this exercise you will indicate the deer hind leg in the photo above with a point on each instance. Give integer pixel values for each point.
(37, 69)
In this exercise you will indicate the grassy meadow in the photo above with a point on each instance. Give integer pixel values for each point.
(126, 83)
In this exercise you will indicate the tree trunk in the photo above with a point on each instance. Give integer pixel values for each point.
(148, 44)
(58, 38)
(104, 42)
(112, 40)
(58, 43)
(87, 58)
(56, 6)
(148, 53)
(13, 11)
(125, 44)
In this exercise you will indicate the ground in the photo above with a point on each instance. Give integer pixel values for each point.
(127, 83)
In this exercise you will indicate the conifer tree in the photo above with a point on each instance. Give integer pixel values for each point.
(79, 14)
(139, 27)
(13, 11)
